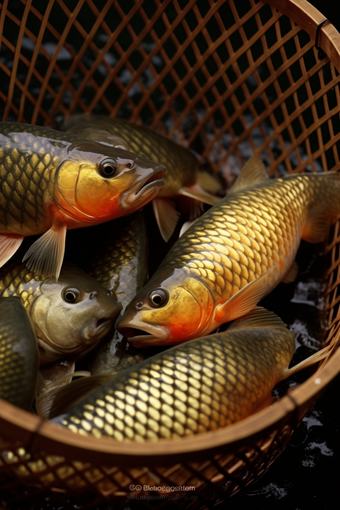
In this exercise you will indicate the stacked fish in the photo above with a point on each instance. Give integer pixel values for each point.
(215, 273)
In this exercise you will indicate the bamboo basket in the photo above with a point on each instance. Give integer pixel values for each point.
(228, 79)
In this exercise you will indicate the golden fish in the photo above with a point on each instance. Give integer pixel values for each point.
(183, 176)
(18, 354)
(51, 182)
(195, 387)
(70, 316)
(233, 255)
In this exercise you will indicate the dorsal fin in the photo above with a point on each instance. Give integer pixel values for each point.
(253, 172)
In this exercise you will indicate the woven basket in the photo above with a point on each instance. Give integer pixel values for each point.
(228, 79)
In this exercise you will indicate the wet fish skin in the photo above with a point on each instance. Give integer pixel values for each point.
(232, 256)
(19, 359)
(115, 355)
(198, 386)
(52, 181)
(120, 264)
(184, 174)
(70, 316)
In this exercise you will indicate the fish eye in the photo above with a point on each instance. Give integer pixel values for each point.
(71, 295)
(107, 168)
(158, 298)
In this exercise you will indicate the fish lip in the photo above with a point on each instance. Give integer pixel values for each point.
(152, 334)
(145, 189)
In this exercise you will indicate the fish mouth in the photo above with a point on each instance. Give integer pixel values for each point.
(150, 335)
(145, 190)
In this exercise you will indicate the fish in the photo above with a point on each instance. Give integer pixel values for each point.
(184, 173)
(19, 358)
(233, 255)
(51, 182)
(120, 264)
(198, 386)
(70, 316)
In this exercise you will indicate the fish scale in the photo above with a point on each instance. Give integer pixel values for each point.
(120, 262)
(18, 280)
(228, 258)
(18, 354)
(233, 255)
(23, 156)
(202, 385)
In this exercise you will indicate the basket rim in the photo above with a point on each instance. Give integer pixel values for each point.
(43, 435)
(298, 11)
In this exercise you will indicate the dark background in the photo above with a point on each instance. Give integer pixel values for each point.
(330, 8)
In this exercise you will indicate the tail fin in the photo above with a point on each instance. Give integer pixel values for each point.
(311, 360)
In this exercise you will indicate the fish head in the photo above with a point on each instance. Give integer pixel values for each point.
(168, 311)
(72, 315)
(96, 183)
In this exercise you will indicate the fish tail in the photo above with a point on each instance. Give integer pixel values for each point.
(210, 183)
(325, 207)
(311, 360)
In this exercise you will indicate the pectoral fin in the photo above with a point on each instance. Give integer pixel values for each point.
(245, 299)
(166, 216)
(9, 244)
(46, 254)
(195, 191)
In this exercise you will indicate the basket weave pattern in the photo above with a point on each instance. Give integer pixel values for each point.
(227, 79)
